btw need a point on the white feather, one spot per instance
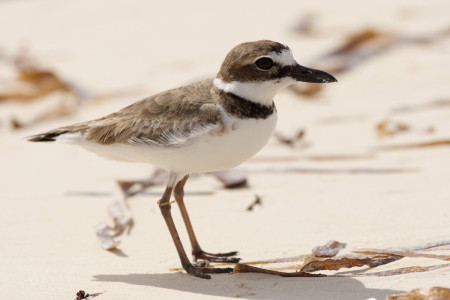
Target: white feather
(284, 58)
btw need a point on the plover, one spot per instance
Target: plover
(211, 125)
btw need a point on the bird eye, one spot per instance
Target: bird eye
(264, 63)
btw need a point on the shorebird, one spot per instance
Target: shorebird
(211, 125)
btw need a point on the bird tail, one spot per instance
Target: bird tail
(49, 136)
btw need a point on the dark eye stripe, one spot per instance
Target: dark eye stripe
(264, 63)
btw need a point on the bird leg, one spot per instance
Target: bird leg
(197, 251)
(164, 205)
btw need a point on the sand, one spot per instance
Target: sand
(52, 196)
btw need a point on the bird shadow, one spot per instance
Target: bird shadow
(260, 286)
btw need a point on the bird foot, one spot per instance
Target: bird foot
(202, 272)
(216, 257)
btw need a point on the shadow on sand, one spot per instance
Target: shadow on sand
(259, 286)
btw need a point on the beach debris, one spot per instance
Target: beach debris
(388, 128)
(257, 201)
(360, 47)
(338, 157)
(119, 211)
(334, 264)
(33, 81)
(105, 236)
(434, 293)
(290, 141)
(122, 219)
(411, 108)
(83, 295)
(324, 258)
(132, 187)
(231, 179)
(28, 81)
(121, 216)
(403, 271)
(415, 145)
(330, 249)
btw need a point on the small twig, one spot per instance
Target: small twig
(255, 202)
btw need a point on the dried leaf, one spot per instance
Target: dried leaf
(434, 293)
(330, 249)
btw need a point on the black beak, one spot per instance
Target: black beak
(301, 73)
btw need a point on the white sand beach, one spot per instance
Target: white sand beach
(340, 182)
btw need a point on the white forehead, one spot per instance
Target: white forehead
(283, 58)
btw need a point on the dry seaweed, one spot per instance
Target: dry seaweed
(334, 264)
(333, 157)
(39, 82)
(402, 253)
(360, 47)
(405, 270)
(323, 258)
(435, 143)
(434, 293)
(408, 108)
(330, 249)
(34, 82)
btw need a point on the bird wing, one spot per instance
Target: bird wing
(171, 118)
